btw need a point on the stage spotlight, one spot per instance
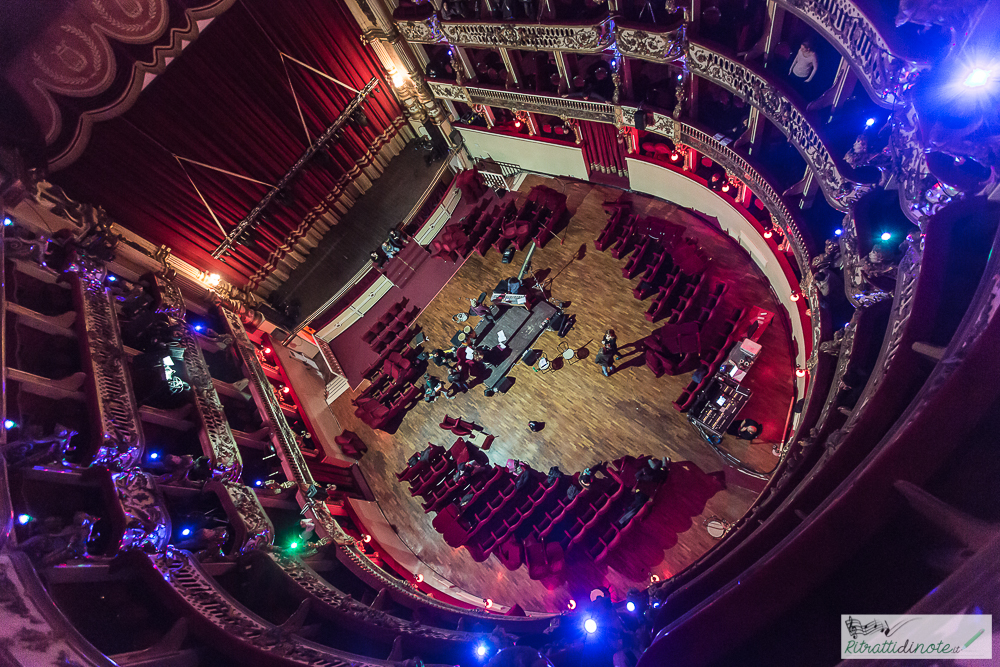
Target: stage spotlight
(186, 532)
(590, 625)
(23, 519)
(869, 122)
(154, 455)
(9, 424)
(885, 236)
(259, 482)
(199, 327)
(481, 650)
(977, 78)
(630, 605)
(838, 232)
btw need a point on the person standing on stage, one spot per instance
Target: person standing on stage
(611, 341)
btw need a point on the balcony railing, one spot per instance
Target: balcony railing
(858, 40)
(591, 37)
(647, 42)
(773, 101)
(508, 99)
(421, 31)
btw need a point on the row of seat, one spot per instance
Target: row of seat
(712, 358)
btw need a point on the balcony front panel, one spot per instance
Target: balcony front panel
(589, 37)
(421, 31)
(773, 101)
(857, 38)
(646, 42)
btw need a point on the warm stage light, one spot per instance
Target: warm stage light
(977, 78)
(398, 79)
(213, 279)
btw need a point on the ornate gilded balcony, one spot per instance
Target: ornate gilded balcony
(772, 98)
(510, 99)
(588, 37)
(648, 42)
(422, 31)
(858, 39)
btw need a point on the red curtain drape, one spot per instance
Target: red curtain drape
(226, 102)
(601, 148)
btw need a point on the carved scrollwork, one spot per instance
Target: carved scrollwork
(758, 91)
(425, 31)
(882, 73)
(920, 193)
(665, 46)
(121, 433)
(575, 38)
(199, 591)
(448, 91)
(259, 530)
(147, 520)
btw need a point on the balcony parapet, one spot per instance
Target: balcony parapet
(421, 31)
(510, 99)
(282, 435)
(857, 38)
(649, 42)
(774, 100)
(583, 37)
(921, 195)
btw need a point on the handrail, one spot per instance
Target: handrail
(583, 37)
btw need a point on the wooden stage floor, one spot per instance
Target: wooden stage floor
(589, 418)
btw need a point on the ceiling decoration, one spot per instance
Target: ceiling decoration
(89, 63)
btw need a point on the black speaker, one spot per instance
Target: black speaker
(640, 120)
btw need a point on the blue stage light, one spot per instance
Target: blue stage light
(869, 122)
(154, 455)
(7, 222)
(23, 518)
(590, 625)
(112, 278)
(838, 232)
(886, 236)
(481, 650)
(185, 532)
(630, 605)
(199, 327)
(9, 424)
(977, 78)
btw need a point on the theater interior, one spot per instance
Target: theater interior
(396, 333)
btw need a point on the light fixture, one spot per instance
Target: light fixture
(267, 350)
(112, 278)
(630, 605)
(185, 532)
(590, 625)
(481, 650)
(7, 222)
(977, 78)
(285, 389)
(794, 296)
(655, 578)
(420, 578)
(800, 372)
(517, 123)
(9, 424)
(23, 519)
(489, 603)
(725, 187)
(869, 122)
(293, 545)
(838, 232)
(768, 234)
(259, 482)
(199, 327)
(398, 79)
(211, 279)
(367, 538)
(154, 455)
(674, 157)
(885, 236)
(571, 604)
(680, 77)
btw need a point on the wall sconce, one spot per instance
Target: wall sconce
(399, 79)
(794, 296)
(800, 372)
(210, 279)
(489, 603)
(654, 578)
(571, 604)
(420, 578)
(768, 234)
(367, 539)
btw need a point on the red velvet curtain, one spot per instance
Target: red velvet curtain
(601, 148)
(226, 102)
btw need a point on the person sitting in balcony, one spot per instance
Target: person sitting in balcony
(804, 67)
(599, 86)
